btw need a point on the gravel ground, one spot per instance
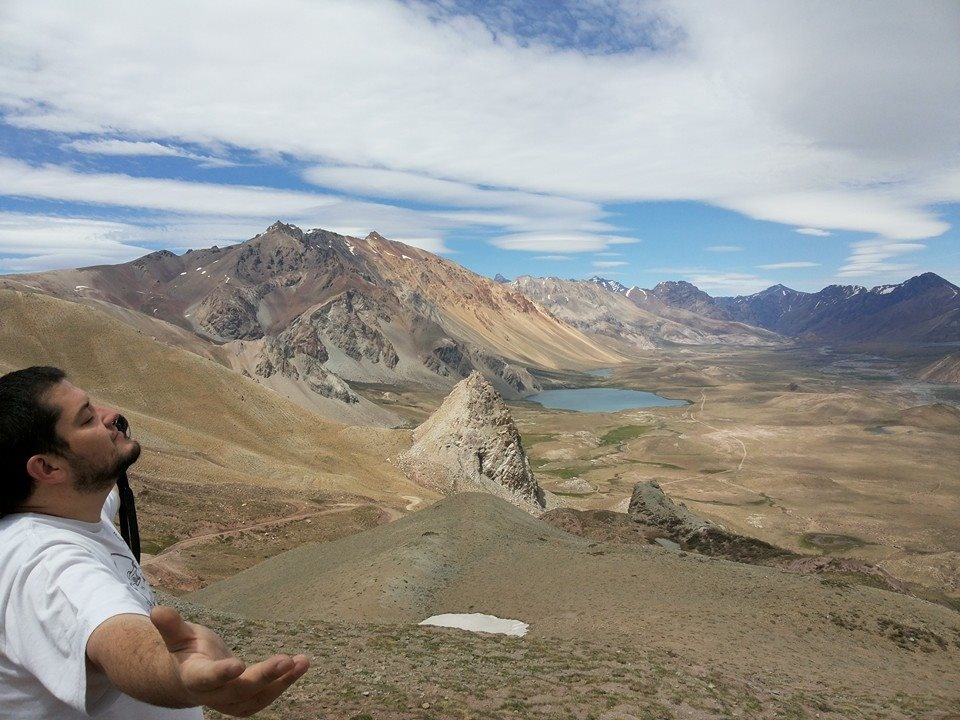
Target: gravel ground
(408, 672)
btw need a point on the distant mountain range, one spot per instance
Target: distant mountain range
(925, 308)
(631, 318)
(309, 313)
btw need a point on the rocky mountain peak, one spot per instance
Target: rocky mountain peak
(500, 279)
(285, 228)
(926, 281)
(669, 285)
(609, 285)
(679, 291)
(778, 289)
(471, 444)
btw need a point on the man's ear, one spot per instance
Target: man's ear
(47, 469)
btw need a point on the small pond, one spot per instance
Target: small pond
(601, 399)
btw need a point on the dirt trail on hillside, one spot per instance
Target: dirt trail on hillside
(170, 568)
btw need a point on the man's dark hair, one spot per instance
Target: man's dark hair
(27, 428)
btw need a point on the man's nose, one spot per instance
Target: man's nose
(107, 415)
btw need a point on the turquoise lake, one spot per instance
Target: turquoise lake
(601, 399)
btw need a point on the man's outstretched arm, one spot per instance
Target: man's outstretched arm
(166, 661)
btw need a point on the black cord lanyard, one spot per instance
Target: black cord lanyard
(129, 530)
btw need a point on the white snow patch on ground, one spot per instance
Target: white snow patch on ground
(82, 287)
(406, 257)
(477, 622)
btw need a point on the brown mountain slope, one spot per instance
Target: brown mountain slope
(945, 370)
(198, 421)
(305, 311)
(476, 553)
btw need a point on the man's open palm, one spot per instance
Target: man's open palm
(215, 675)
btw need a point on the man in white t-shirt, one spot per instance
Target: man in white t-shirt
(81, 635)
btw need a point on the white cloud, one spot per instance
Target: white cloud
(816, 232)
(59, 183)
(31, 243)
(728, 283)
(608, 263)
(208, 211)
(789, 112)
(411, 186)
(140, 148)
(724, 248)
(553, 258)
(122, 147)
(789, 265)
(504, 209)
(717, 283)
(877, 211)
(872, 257)
(558, 242)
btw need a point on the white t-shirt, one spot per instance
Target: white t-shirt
(59, 580)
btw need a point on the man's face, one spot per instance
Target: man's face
(98, 453)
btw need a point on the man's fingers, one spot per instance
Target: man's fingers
(174, 631)
(224, 683)
(263, 695)
(201, 675)
(266, 671)
(301, 663)
(200, 670)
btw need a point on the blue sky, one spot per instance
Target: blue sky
(735, 145)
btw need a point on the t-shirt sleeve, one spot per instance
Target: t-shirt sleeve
(58, 601)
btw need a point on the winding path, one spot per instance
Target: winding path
(723, 433)
(167, 568)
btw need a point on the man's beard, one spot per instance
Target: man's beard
(88, 478)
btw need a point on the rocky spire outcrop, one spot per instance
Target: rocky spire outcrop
(471, 444)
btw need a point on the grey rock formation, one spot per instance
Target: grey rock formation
(651, 506)
(281, 356)
(471, 444)
(451, 358)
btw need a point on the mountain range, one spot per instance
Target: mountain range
(925, 308)
(308, 313)
(312, 314)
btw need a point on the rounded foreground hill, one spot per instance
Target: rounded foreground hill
(477, 553)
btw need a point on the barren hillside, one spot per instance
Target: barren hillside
(476, 553)
(197, 420)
